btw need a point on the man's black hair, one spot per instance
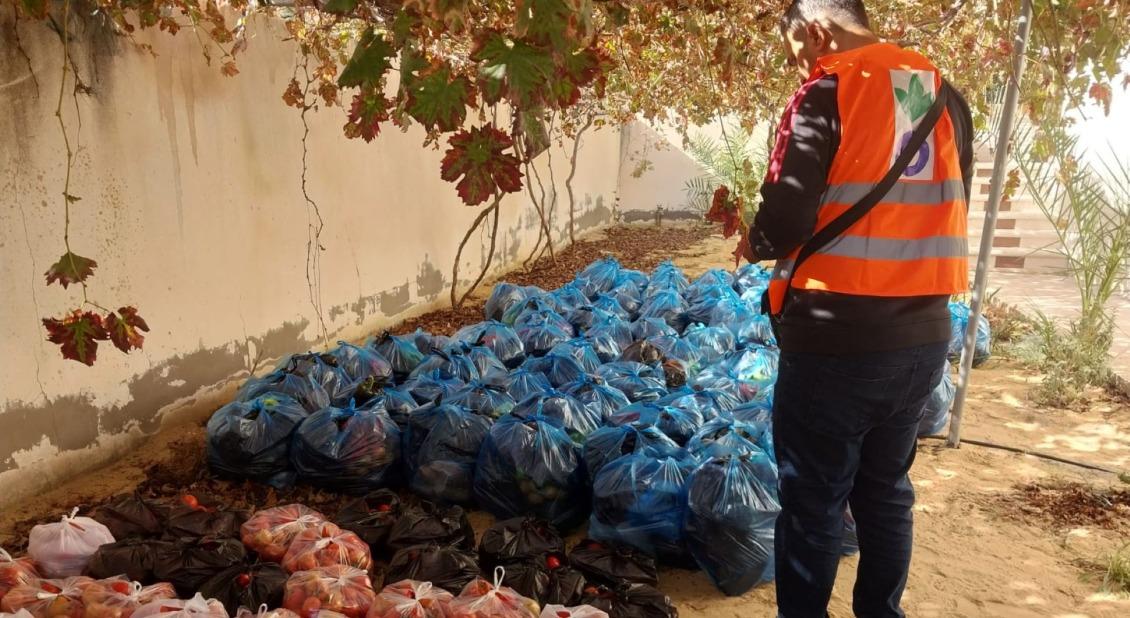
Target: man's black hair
(845, 12)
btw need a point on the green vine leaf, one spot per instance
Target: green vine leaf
(369, 109)
(478, 161)
(547, 22)
(71, 268)
(438, 100)
(124, 329)
(77, 335)
(371, 58)
(577, 70)
(511, 68)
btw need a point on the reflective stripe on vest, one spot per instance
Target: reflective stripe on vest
(913, 242)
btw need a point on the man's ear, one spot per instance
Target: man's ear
(820, 37)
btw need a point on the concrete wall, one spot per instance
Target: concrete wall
(191, 205)
(654, 173)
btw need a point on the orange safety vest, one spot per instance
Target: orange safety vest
(913, 242)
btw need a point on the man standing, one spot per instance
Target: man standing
(862, 319)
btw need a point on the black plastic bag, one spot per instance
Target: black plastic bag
(532, 467)
(188, 564)
(576, 418)
(203, 516)
(443, 466)
(638, 500)
(679, 425)
(612, 565)
(251, 439)
(129, 516)
(609, 443)
(638, 381)
(353, 451)
(523, 384)
(560, 370)
(134, 558)
(630, 601)
(401, 352)
(371, 517)
(516, 539)
(602, 399)
(247, 586)
(546, 578)
(729, 522)
(442, 565)
(497, 337)
(431, 523)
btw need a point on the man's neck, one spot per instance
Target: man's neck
(847, 40)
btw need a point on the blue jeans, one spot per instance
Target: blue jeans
(844, 429)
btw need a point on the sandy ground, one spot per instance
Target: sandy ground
(975, 554)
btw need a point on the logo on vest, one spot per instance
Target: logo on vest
(914, 94)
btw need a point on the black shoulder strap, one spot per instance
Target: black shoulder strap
(841, 224)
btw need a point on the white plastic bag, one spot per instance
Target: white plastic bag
(23, 613)
(196, 607)
(580, 611)
(62, 549)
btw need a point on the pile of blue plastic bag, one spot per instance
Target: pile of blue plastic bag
(636, 402)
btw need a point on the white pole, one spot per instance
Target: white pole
(1008, 112)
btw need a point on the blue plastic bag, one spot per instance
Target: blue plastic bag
(443, 446)
(610, 338)
(600, 276)
(496, 337)
(679, 349)
(638, 381)
(567, 298)
(532, 467)
(667, 276)
(610, 442)
(701, 301)
(754, 412)
(755, 364)
(251, 439)
(959, 322)
(536, 306)
(396, 402)
(937, 414)
(752, 277)
(420, 424)
(719, 377)
(629, 297)
(489, 368)
(638, 500)
(729, 523)
(577, 419)
(349, 450)
(710, 403)
(323, 369)
(584, 317)
(305, 389)
(646, 328)
(541, 330)
(449, 365)
(714, 276)
(679, 425)
(502, 297)
(725, 436)
(757, 331)
(669, 306)
(601, 398)
(429, 386)
(486, 399)
(713, 342)
(611, 305)
(580, 349)
(361, 363)
(522, 384)
(635, 278)
(427, 342)
(558, 368)
(401, 353)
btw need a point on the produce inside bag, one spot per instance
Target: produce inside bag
(251, 439)
(481, 599)
(580, 611)
(121, 598)
(337, 588)
(62, 549)
(324, 545)
(15, 572)
(547, 578)
(49, 598)
(351, 450)
(202, 516)
(411, 599)
(270, 532)
(196, 607)
(263, 612)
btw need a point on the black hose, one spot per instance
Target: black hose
(1013, 449)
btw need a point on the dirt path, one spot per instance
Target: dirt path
(979, 550)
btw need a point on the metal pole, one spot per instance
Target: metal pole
(1012, 93)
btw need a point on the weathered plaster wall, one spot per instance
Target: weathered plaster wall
(191, 205)
(654, 173)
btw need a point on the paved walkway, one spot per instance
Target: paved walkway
(1058, 297)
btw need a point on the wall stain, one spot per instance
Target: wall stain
(632, 216)
(430, 282)
(167, 107)
(388, 303)
(74, 422)
(599, 214)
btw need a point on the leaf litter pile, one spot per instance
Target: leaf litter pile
(182, 469)
(1070, 505)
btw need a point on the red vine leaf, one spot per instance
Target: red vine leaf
(477, 157)
(726, 211)
(369, 109)
(577, 70)
(77, 335)
(122, 328)
(452, 13)
(229, 69)
(1101, 93)
(511, 68)
(743, 248)
(71, 268)
(723, 57)
(437, 100)
(371, 58)
(293, 96)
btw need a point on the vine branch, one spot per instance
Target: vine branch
(313, 230)
(589, 119)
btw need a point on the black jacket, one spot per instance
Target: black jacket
(821, 322)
